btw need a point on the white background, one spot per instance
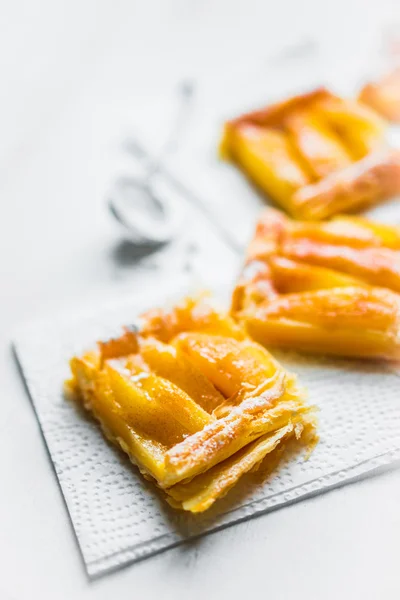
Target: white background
(60, 62)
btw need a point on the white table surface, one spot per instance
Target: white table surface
(60, 62)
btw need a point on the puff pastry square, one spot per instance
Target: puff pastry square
(315, 155)
(192, 400)
(330, 287)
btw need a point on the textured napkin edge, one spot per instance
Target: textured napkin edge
(182, 284)
(370, 467)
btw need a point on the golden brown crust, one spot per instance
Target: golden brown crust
(191, 314)
(198, 494)
(384, 95)
(358, 186)
(270, 231)
(274, 114)
(127, 343)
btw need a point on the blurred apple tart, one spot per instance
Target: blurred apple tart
(383, 95)
(315, 155)
(329, 287)
(192, 400)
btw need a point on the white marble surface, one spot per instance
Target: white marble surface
(61, 64)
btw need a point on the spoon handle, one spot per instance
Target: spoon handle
(185, 95)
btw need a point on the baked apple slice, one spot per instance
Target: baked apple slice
(269, 159)
(319, 146)
(352, 321)
(361, 128)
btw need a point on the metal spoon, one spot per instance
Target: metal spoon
(149, 219)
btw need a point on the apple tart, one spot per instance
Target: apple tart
(315, 155)
(329, 287)
(192, 400)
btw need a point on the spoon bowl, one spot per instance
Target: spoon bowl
(148, 219)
